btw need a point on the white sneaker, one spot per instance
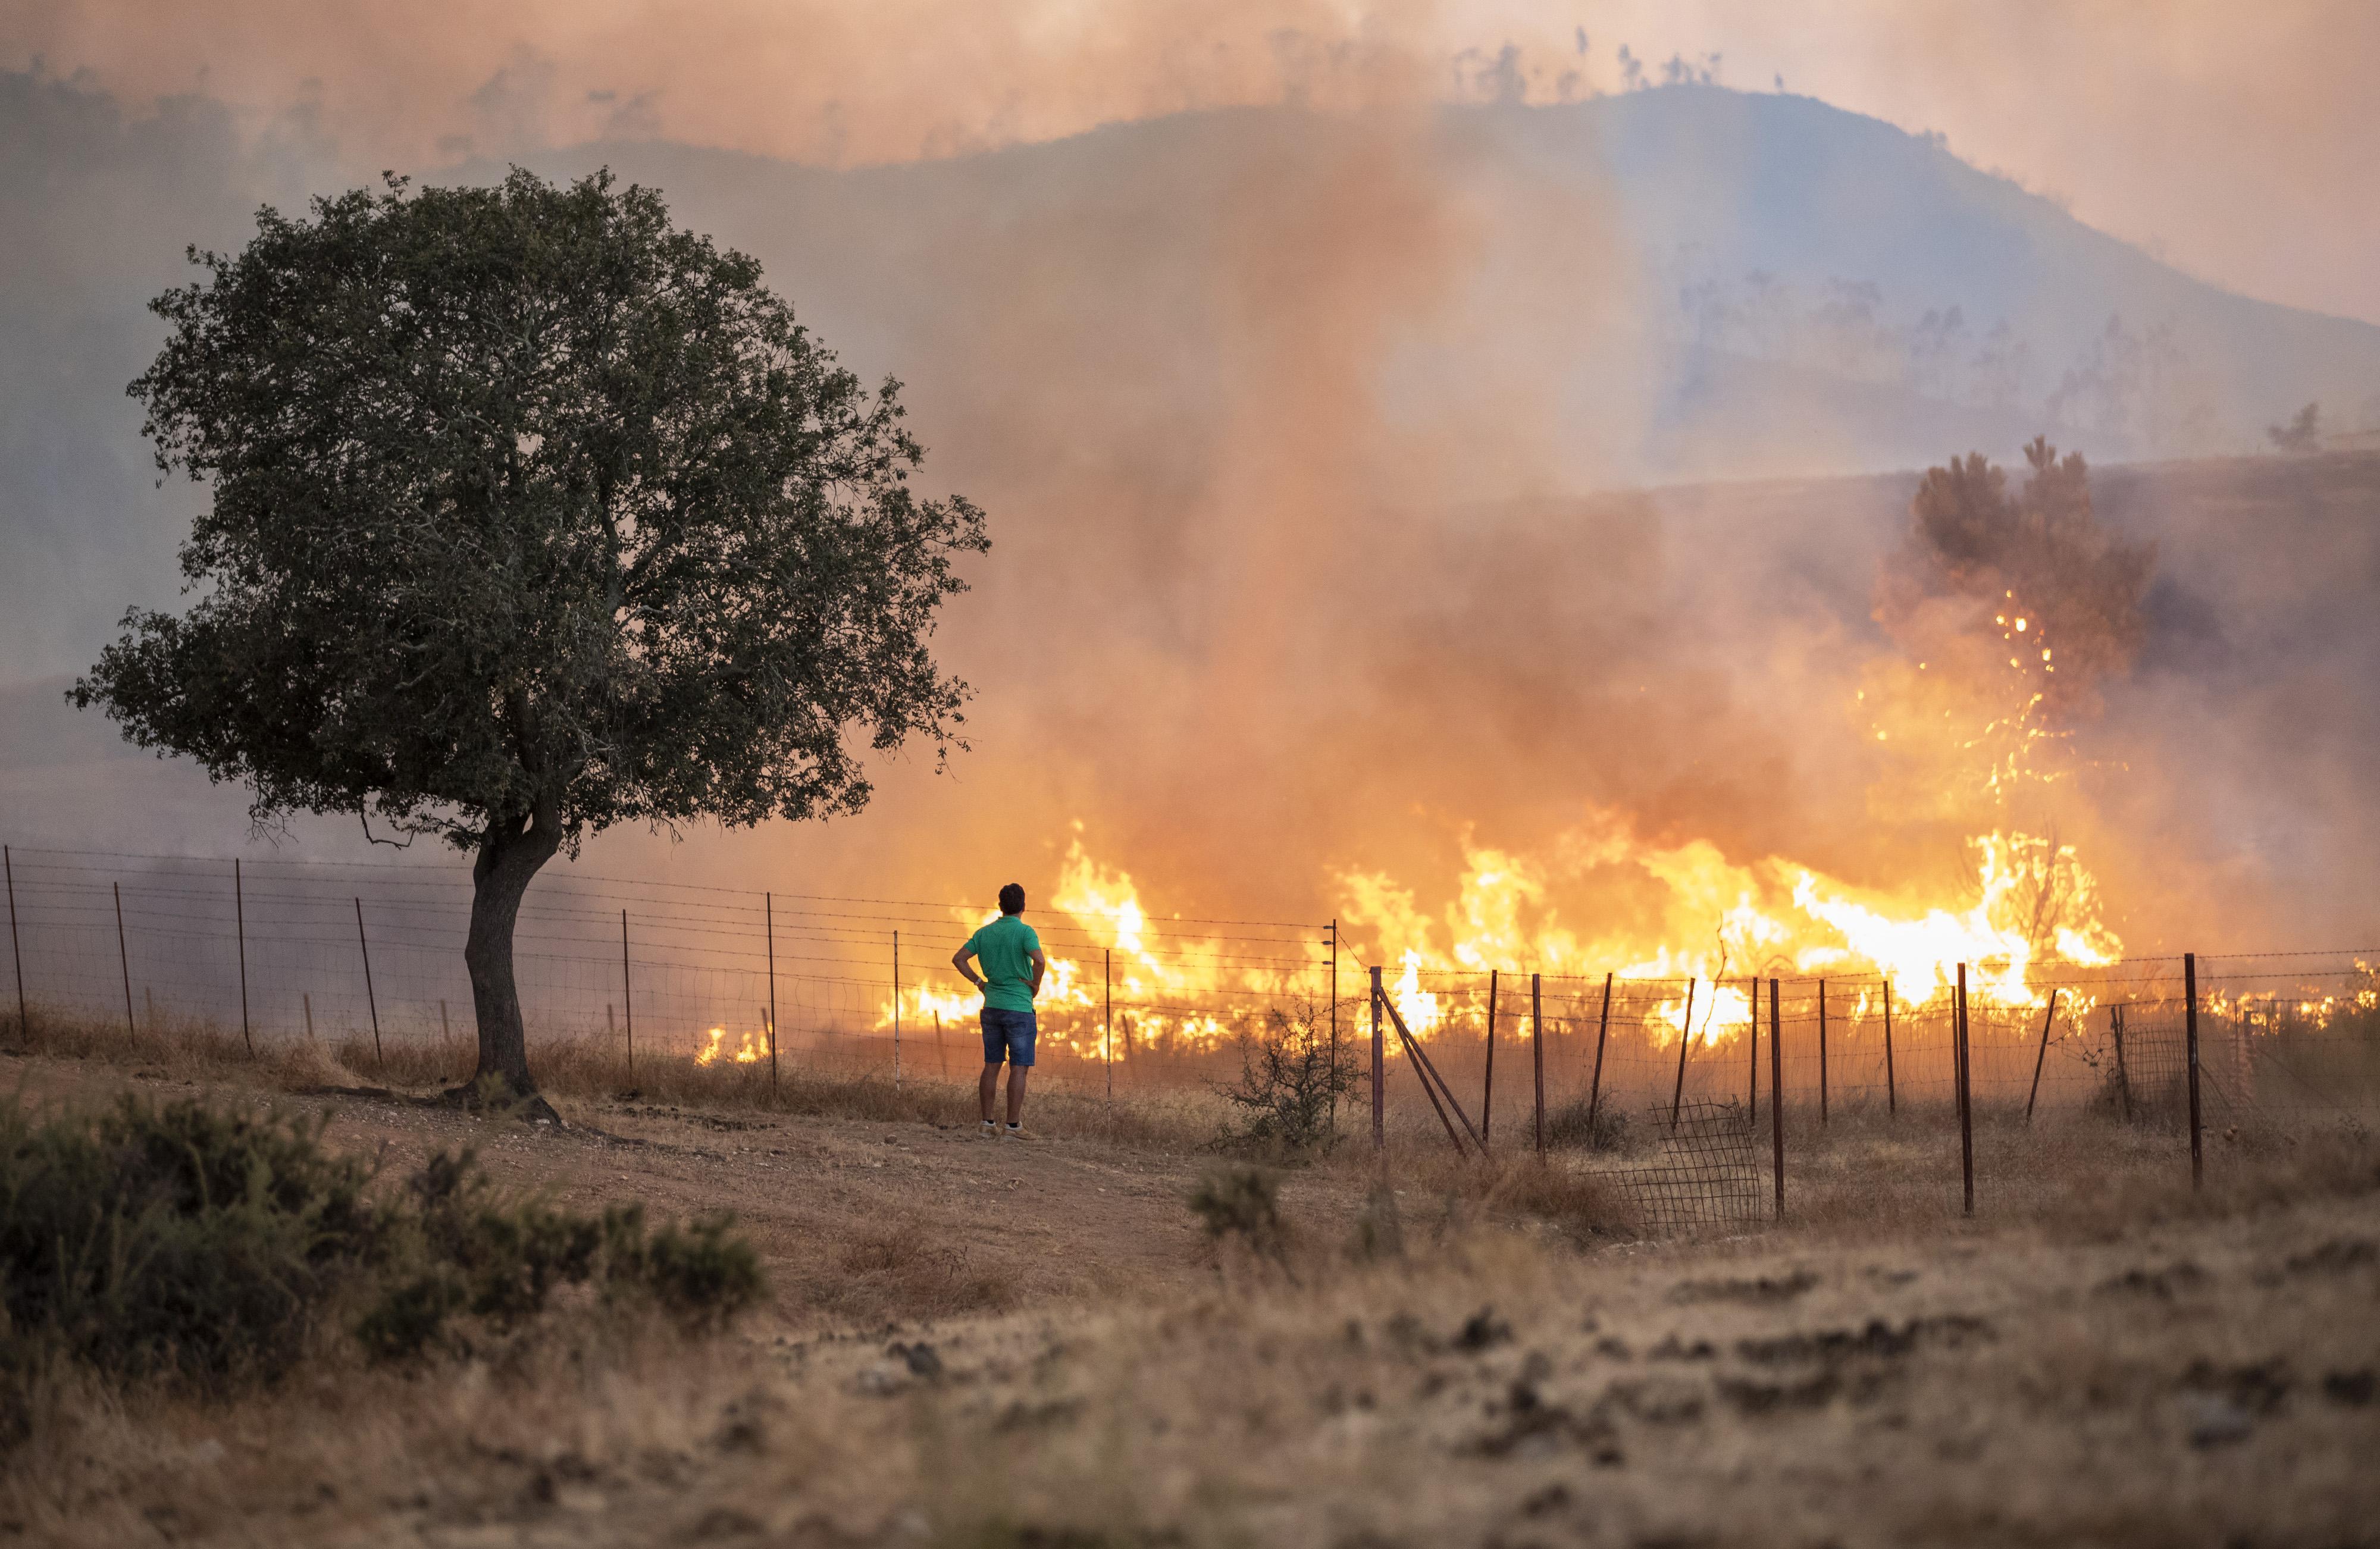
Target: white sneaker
(1015, 1132)
(989, 1130)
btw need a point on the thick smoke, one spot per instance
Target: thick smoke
(1281, 414)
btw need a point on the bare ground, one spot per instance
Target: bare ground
(975, 1342)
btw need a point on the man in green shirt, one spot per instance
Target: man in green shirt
(1013, 966)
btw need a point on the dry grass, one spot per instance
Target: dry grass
(2200, 1381)
(2101, 1355)
(594, 1072)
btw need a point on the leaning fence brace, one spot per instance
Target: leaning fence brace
(379, 1056)
(17, 950)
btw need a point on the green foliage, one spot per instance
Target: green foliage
(175, 1239)
(526, 503)
(178, 1241)
(1284, 1105)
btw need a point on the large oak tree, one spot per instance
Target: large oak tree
(530, 513)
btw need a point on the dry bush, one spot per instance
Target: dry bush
(207, 1250)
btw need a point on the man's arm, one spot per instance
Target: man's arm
(959, 961)
(1040, 966)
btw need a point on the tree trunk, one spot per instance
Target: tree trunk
(509, 858)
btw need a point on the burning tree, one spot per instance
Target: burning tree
(530, 515)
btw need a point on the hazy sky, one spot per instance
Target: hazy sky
(2235, 140)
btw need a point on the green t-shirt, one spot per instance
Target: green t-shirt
(1003, 951)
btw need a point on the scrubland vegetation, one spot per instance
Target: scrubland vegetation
(1147, 1326)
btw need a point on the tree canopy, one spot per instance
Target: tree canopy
(530, 515)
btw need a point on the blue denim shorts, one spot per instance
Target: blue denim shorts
(1008, 1036)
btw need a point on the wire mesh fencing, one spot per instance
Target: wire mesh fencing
(1706, 1171)
(282, 951)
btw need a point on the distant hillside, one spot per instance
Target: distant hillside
(1816, 290)
(1680, 283)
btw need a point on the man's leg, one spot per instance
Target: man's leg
(1016, 1074)
(995, 1053)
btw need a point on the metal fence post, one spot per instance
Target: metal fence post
(1335, 1027)
(1752, 1047)
(2042, 1054)
(1685, 1041)
(1107, 1015)
(24, 1023)
(896, 1017)
(627, 998)
(239, 927)
(2190, 1025)
(1776, 1090)
(1966, 1097)
(1538, 1053)
(768, 918)
(1822, 1054)
(2123, 1079)
(1595, 1087)
(1379, 1069)
(1487, 1091)
(1891, 1091)
(124, 956)
(370, 999)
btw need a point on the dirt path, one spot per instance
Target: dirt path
(861, 1224)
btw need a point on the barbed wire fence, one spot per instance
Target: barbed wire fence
(1604, 1067)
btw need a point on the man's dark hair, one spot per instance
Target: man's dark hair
(1011, 899)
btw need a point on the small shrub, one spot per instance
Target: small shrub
(211, 1247)
(174, 1239)
(1580, 1126)
(1291, 1081)
(1240, 1204)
